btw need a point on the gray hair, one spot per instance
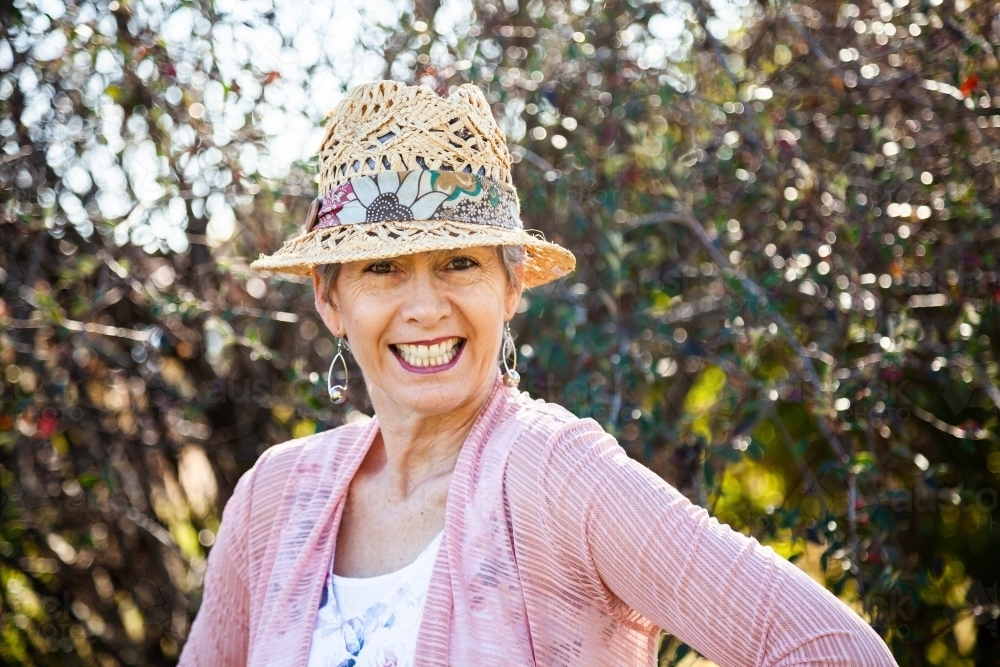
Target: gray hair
(510, 256)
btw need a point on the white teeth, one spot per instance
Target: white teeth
(429, 355)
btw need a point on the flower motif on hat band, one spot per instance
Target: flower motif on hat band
(422, 194)
(381, 197)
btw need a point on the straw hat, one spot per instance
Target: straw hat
(402, 171)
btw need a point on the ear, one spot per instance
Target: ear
(513, 297)
(328, 312)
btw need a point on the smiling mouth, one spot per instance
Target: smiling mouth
(429, 356)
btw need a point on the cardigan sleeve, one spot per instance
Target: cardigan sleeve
(644, 544)
(219, 635)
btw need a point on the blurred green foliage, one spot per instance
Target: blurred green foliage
(786, 300)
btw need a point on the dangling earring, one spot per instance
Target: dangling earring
(511, 377)
(338, 393)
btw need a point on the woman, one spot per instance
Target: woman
(468, 524)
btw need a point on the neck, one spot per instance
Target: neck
(412, 448)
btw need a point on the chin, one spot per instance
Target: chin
(434, 398)
(437, 393)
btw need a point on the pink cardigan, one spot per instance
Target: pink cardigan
(558, 550)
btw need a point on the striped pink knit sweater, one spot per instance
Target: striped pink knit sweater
(558, 550)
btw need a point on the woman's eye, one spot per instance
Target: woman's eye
(379, 267)
(463, 263)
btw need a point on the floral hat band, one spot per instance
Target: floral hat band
(422, 194)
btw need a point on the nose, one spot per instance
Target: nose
(427, 302)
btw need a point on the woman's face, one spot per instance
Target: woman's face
(424, 328)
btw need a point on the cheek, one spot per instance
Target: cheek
(367, 324)
(365, 320)
(485, 314)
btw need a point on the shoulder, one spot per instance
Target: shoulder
(550, 429)
(539, 413)
(335, 442)
(283, 472)
(278, 463)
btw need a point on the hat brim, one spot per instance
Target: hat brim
(544, 263)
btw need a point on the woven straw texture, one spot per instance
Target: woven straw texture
(558, 551)
(388, 126)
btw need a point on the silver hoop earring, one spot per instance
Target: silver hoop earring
(511, 376)
(338, 392)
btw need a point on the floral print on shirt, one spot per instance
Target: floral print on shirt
(384, 635)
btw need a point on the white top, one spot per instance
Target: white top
(372, 621)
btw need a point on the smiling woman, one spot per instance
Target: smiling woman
(467, 523)
(424, 328)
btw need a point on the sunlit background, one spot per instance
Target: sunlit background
(785, 219)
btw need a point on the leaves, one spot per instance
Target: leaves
(785, 299)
